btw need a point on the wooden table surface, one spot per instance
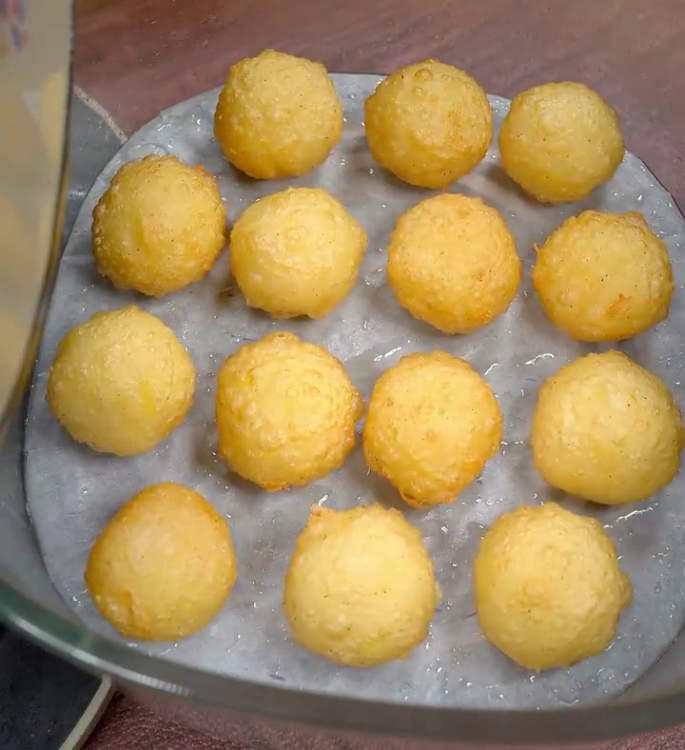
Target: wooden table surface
(135, 57)
(138, 56)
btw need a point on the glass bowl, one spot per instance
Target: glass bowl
(132, 60)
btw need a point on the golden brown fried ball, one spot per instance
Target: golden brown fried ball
(296, 252)
(159, 226)
(606, 430)
(452, 263)
(548, 587)
(560, 141)
(432, 424)
(163, 567)
(277, 116)
(285, 412)
(604, 277)
(121, 382)
(360, 589)
(429, 124)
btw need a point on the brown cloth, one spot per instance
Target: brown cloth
(128, 726)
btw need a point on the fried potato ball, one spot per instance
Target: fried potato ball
(606, 430)
(164, 565)
(285, 412)
(159, 226)
(452, 263)
(429, 124)
(121, 382)
(296, 252)
(549, 590)
(277, 116)
(604, 277)
(560, 141)
(360, 589)
(432, 424)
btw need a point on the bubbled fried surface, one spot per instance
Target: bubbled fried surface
(549, 590)
(360, 588)
(606, 430)
(429, 124)
(163, 566)
(277, 116)
(432, 424)
(560, 141)
(604, 277)
(121, 382)
(452, 262)
(159, 227)
(286, 412)
(296, 252)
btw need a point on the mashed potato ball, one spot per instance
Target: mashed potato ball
(121, 382)
(604, 277)
(163, 566)
(360, 589)
(559, 141)
(432, 424)
(452, 263)
(429, 124)
(606, 430)
(277, 116)
(296, 253)
(159, 226)
(548, 587)
(285, 412)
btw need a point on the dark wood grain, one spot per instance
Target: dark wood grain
(138, 56)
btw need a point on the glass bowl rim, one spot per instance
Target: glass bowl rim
(98, 654)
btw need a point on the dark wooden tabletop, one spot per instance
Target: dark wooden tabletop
(135, 57)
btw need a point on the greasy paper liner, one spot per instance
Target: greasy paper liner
(72, 491)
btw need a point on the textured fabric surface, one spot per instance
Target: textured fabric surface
(127, 726)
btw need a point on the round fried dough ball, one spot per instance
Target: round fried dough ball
(604, 277)
(163, 567)
(121, 382)
(360, 589)
(429, 124)
(296, 252)
(159, 226)
(560, 141)
(432, 424)
(452, 263)
(606, 430)
(285, 412)
(549, 591)
(277, 116)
